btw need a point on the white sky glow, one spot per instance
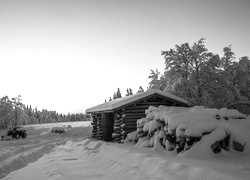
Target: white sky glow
(66, 55)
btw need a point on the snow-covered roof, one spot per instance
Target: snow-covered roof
(120, 102)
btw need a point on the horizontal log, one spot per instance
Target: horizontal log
(130, 122)
(135, 118)
(130, 130)
(117, 121)
(117, 124)
(117, 127)
(156, 103)
(130, 127)
(96, 117)
(138, 106)
(134, 110)
(135, 114)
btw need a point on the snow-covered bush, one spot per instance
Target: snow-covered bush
(132, 137)
(196, 129)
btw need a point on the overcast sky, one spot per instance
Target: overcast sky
(66, 55)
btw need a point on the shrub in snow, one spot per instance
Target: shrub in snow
(196, 130)
(159, 142)
(143, 142)
(132, 137)
(140, 124)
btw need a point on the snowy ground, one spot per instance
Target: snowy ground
(72, 156)
(15, 154)
(98, 160)
(61, 124)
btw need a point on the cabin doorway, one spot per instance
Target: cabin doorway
(108, 124)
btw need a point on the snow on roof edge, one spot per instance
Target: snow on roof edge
(114, 104)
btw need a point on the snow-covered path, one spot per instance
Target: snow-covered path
(99, 160)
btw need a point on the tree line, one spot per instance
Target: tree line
(202, 77)
(14, 113)
(129, 92)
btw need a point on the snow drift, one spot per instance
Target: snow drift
(88, 159)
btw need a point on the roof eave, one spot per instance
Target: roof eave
(113, 107)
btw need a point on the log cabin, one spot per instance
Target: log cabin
(111, 121)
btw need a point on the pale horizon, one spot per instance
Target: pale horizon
(66, 55)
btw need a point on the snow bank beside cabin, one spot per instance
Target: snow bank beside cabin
(195, 131)
(98, 160)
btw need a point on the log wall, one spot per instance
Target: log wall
(119, 133)
(137, 111)
(97, 131)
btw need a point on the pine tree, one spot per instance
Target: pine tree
(18, 113)
(130, 91)
(127, 92)
(5, 112)
(118, 94)
(114, 96)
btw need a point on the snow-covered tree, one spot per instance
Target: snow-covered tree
(129, 92)
(202, 77)
(154, 83)
(140, 90)
(118, 93)
(5, 112)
